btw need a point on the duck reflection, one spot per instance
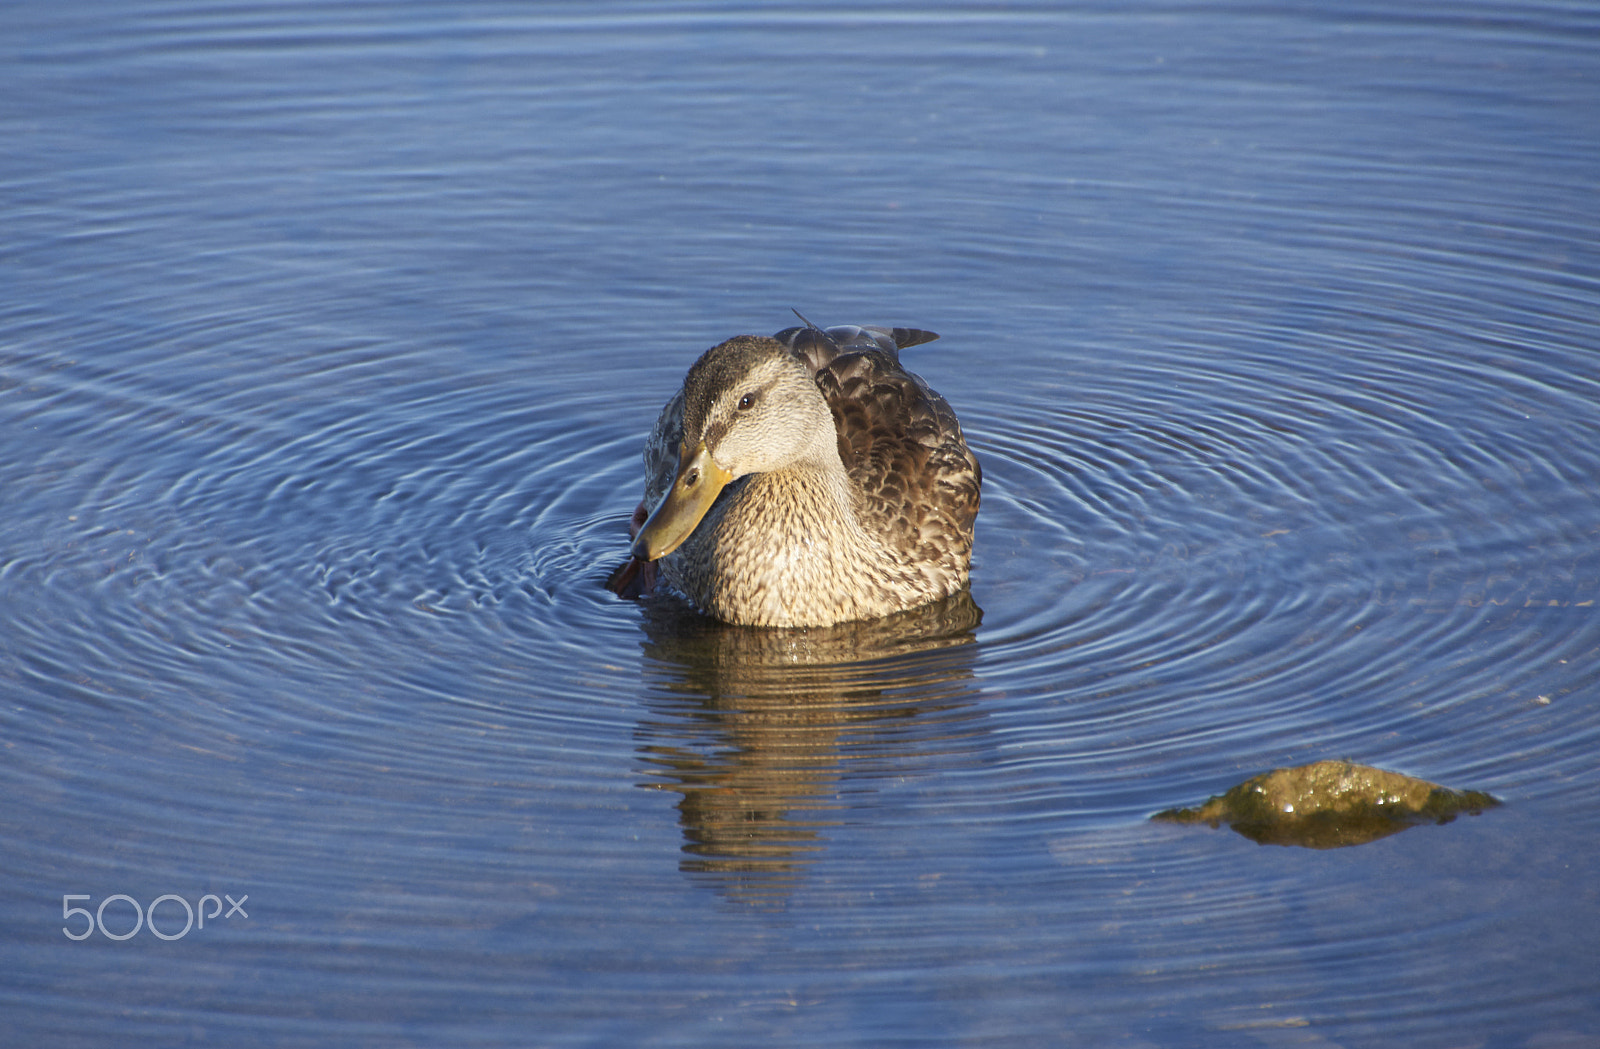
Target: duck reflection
(757, 728)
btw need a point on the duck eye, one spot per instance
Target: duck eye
(747, 402)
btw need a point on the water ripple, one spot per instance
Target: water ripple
(328, 338)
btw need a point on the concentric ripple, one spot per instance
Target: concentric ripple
(1327, 542)
(329, 335)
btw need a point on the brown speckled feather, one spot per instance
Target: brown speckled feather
(900, 441)
(902, 446)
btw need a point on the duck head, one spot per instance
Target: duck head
(750, 405)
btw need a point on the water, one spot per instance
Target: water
(328, 340)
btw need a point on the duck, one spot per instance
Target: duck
(805, 479)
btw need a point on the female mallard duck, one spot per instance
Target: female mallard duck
(804, 480)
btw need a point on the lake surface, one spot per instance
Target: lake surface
(329, 338)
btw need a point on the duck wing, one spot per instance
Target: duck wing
(916, 481)
(818, 346)
(635, 578)
(661, 451)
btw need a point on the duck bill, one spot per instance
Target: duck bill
(693, 491)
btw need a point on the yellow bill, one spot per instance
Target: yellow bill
(691, 495)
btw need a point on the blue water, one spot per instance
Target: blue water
(329, 338)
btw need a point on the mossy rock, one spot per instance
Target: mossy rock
(1330, 804)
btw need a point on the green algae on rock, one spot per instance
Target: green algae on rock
(1330, 804)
